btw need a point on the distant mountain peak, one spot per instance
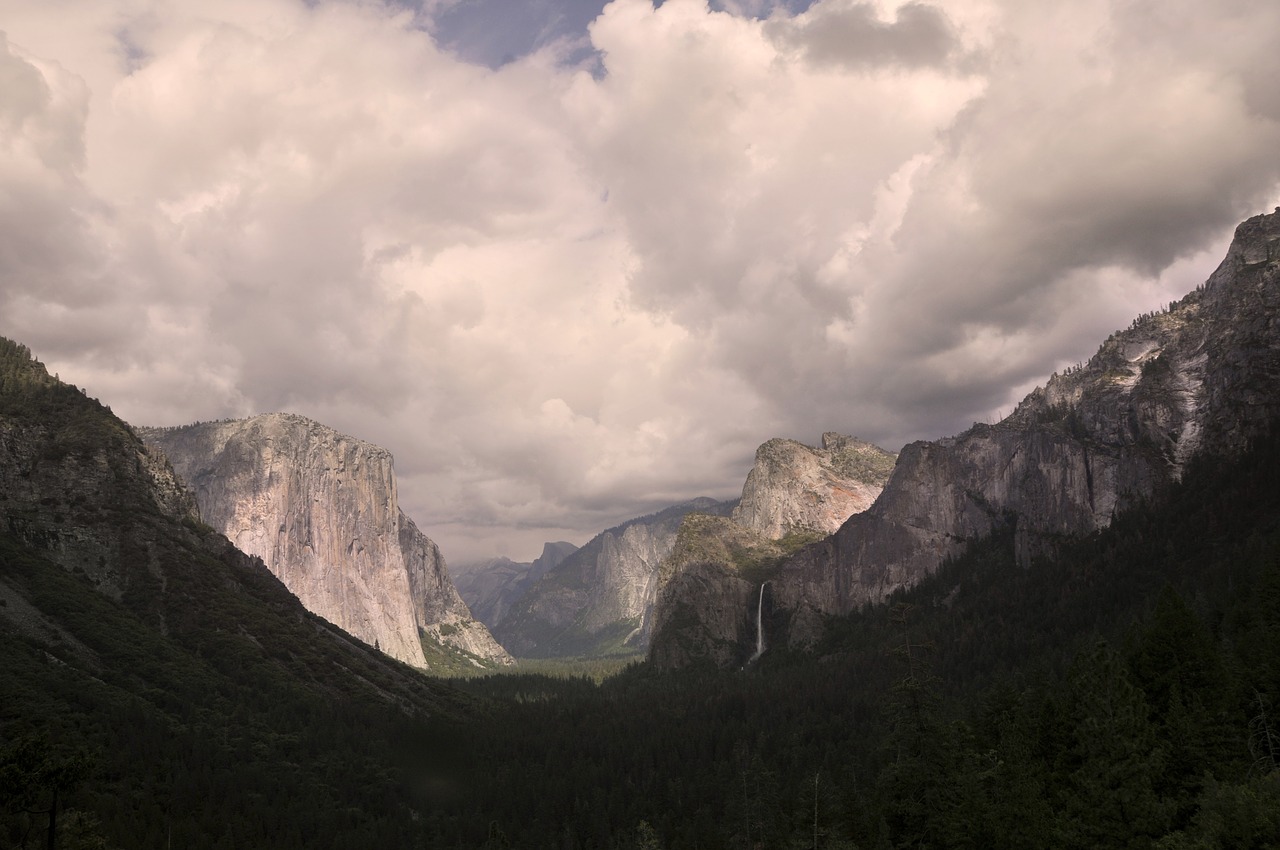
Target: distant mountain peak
(796, 487)
(599, 599)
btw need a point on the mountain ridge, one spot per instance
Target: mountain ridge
(1093, 441)
(321, 509)
(1073, 453)
(172, 690)
(599, 599)
(491, 587)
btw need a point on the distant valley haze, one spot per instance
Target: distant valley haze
(572, 262)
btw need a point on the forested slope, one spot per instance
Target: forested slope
(1123, 694)
(172, 692)
(166, 687)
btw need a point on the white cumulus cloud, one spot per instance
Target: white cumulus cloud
(575, 289)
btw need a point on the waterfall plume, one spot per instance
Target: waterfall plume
(760, 624)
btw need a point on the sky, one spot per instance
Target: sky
(573, 262)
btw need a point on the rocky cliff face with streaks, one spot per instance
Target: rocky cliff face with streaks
(321, 510)
(793, 495)
(1200, 376)
(794, 487)
(709, 590)
(599, 600)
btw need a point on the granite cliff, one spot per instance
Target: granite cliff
(321, 510)
(794, 494)
(491, 587)
(1202, 376)
(599, 600)
(141, 650)
(709, 590)
(794, 487)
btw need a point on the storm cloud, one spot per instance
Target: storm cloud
(575, 285)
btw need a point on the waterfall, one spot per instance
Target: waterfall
(760, 624)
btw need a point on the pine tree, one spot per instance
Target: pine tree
(1109, 797)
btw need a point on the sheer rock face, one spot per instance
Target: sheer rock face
(1202, 376)
(491, 587)
(627, 574)
(719, 562)
(600, 598)
(797, 487)
(707, 606)
(321, 510)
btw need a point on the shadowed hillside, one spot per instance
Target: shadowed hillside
(166, 686)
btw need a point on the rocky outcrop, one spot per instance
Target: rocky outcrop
(60, 451)
(794, 487)
(709, 590)
(321, 510)
(1201, 376)
(599, 600)
(794, 494)
(491, 587)
(113, 594)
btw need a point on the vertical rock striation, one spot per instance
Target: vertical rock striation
(708, 588)
(1201, 376)
(321, 510)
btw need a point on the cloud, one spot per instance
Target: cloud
(853, 35)
(497, 32)
(1085, 153)
(568, 293)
